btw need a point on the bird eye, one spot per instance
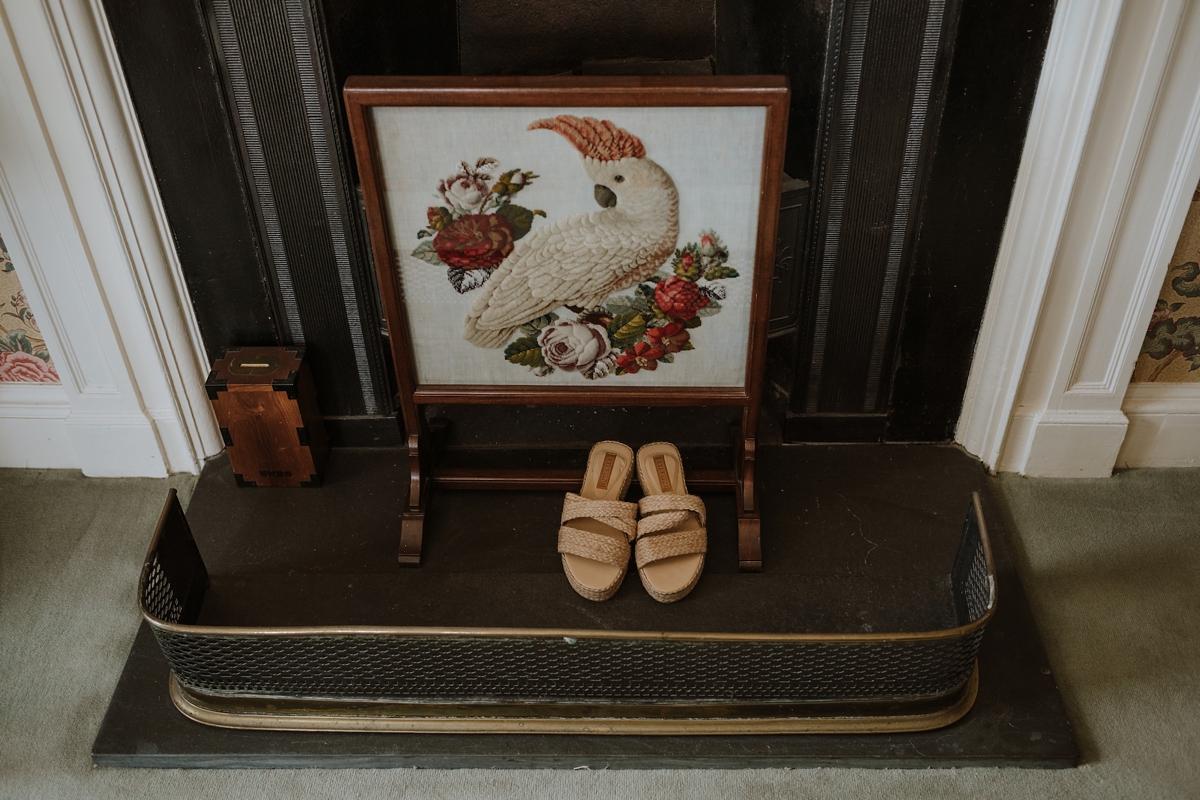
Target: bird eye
(619, 178)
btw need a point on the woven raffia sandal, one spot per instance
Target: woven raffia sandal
(597, 526)
(671, 537)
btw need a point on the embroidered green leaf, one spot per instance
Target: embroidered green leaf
(713, 308)
(627, 305)
(534, 326)
(520, 217)
(667, 358)
(426, 253)
(526, 352)
(687, 346)
(626, 329)
(694, 322)
(719, 272)
(687, 262)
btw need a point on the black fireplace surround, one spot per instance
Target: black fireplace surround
(907, 123)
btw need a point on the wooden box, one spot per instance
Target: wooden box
(267, 409)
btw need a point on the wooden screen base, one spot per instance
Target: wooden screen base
(425, 477)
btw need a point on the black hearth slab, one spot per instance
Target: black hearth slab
(874, 513)
(848, 549)
(828, 510)
(719, 604)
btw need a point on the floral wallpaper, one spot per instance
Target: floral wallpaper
(23, 354)
(1171, 349)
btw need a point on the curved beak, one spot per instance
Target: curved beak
(605, 196)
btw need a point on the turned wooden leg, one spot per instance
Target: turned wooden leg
(420, 485)
(412, 519)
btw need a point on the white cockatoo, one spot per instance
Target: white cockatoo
(580, 260)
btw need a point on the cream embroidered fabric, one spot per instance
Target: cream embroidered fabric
(712, 154)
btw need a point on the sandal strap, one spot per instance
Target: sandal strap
(614, 513)
(665, 545)
(595, 546)
(671, 501)
(665, 521)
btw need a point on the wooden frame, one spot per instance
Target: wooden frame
(362, 94)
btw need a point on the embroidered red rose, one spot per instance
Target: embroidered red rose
(679, 299)
(643, 355)
(672, 336)
(475, 241)
(20, 367)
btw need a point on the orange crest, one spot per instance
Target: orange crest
(595, 138)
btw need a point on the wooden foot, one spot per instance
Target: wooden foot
(412, 531)
(412, 527)
(749, 545)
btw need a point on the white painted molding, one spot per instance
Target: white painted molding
(1080, 40)
(1048, 381)
(33, 428)
(1164, 426)
(91, 241)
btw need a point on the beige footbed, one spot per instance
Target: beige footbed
(599, 579)
(671, 578)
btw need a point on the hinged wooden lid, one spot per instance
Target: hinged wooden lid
(277, 367)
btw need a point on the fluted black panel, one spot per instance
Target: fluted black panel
(885, 76)
(892, 268)
(168, 63)
(993, 81)
(286, 111)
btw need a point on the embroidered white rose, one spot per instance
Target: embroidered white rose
(573, 346)
(466, 193)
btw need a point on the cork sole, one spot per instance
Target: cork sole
(607, 477)
(660, 470)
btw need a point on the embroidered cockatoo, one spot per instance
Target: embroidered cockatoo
(580, 260)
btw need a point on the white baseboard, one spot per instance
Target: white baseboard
(38, 430)
(116, 446)
(33, 429)
(1164, 426)
(1063, 444)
